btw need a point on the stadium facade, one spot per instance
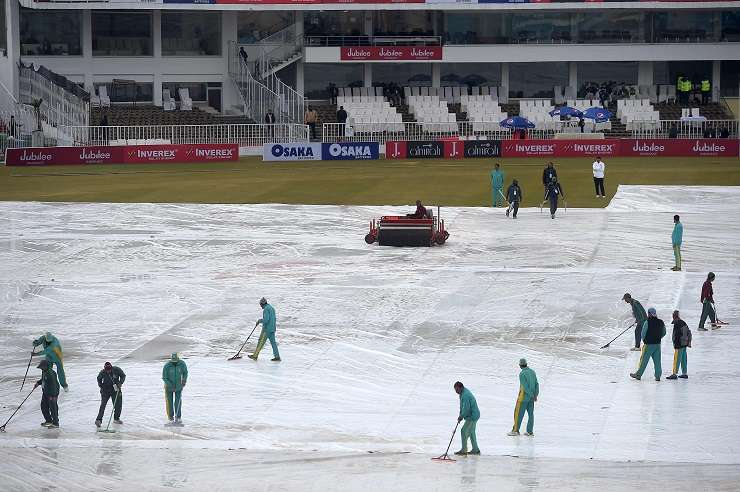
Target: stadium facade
(526, 47)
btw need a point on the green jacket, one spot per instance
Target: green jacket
(52, 349)
(268, 319)
(49, 382)
(468, 406)
(497, 179)
(638, 312)
(528, 382)
(175, 375)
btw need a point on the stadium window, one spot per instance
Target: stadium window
(611, 27)
(196, 90)
(125, 93)
(478, 28)
(684, 27)
(253, 26)
(729, 78)
(731, 25)
(334, 23)
(3, 31)
(121, 33)
(667, 72)
(404, 23)
(613, 74)
(191, 33)
(50, 32)
(470, 74)
(536, 79)
(318, 75)
(549, 27)
(403, 74)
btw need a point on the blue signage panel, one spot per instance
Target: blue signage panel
(350, 151)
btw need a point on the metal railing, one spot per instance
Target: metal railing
(260, 94)
(59, 105)
(316, 41)
(17, 122)
(246, 135)
(414, 131)
(685, 129)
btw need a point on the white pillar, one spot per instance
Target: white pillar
(573, 75)
(157, 54)
(716, 77)
(299, 77)
(367, 74)
(229, 32)
(436, 73)
(9, 63)
(87, 47)
(368, 23)
(645, 72)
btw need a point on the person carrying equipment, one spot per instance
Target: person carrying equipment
(50, 393)
(470, 413)
(514, 196)
(529, 389)
(497, 186)
(681, 340)
(707, 303)
(639, 313)
(52, 350)
(110, 380)
(548, 174)
(268, 329)
(553, 193)
(175, 377)
(653, 330)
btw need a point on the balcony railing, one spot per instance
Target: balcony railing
(316, 41)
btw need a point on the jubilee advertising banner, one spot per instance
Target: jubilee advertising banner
(386, 53)
(670, 147)
(127, 154)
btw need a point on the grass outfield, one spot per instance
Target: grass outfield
(386, 182)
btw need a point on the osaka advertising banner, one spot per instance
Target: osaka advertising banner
(126, 154)
(275, 152)
(350, 151)
(383, 53)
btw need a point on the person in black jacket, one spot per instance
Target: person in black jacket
(270, 122)
(553, 193)
(653, 330)
(50, 392)
(681, 340)
(342, 120)
(513, 196)
(110, 380)
(548, 174)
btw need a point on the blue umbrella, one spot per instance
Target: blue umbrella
(599, 115)
(566, 111)
(516, 122)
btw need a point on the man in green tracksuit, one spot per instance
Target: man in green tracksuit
(470, 413)
(52, 350)
(653, 330)
(268, 331)
(676, 239)
(175, 376)
(497, 186)
(529, 389)
(639, 313)
(50, 393)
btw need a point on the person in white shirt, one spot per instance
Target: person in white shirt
(598, 167)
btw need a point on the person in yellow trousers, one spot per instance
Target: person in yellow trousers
(681, 341)
(268, 331)
(529, 389)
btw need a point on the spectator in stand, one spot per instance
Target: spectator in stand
(342, 120)
(599, 167)
(673, 131)
(706, 91)
(270, 122)
(633, 93)
(310, 119)
(603, 96)
(104, 124)
(522, 134)
(12, 127)
(243, 54)
(581, 124)
(334, 93)
(724, 132)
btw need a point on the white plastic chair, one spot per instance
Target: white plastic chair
(186, 104)
(168, 104)
(104, 99)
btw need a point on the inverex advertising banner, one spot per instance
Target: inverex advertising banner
(350, 151)
(291, 152)
(385, 53)
(127, 154)
(559, 148)
(310, 2)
